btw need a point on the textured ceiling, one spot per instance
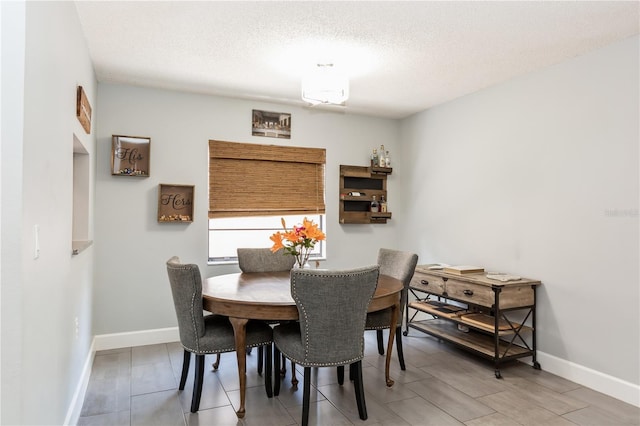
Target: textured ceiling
(401, 57)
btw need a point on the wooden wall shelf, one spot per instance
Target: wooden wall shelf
(368, 182)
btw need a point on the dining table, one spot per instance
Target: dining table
(267, 296)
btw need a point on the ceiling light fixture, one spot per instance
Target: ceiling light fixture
(325, 86)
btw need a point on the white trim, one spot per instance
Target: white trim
(114, 341)
(73, 413)
(136, 338)
(608, 385)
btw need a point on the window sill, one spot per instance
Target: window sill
(79, 246)
(235, 261)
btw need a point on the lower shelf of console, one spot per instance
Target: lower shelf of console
(480, 343)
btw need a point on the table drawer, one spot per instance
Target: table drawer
(470, 293)
(517, 296)
(428, 283)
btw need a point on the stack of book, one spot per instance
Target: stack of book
(463, 269)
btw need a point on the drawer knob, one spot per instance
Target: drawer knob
(468, 292)
(425, 282)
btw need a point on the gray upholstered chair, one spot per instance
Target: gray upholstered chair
(400, 265)
(264, 260)
(333, 308)
(211, 334)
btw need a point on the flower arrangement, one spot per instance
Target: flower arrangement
(299, 241)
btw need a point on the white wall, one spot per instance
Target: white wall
(12, 87)
(47, 293)
(539, 177)
(132, 290)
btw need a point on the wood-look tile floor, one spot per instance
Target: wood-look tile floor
(441, 386)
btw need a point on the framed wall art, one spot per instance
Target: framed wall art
(175, 203)
(271, 124)
(130, 155)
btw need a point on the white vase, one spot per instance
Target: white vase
(303, 266)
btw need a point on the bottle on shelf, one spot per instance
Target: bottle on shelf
(374, 158)
(383, 204)
(381, 160)
(375, 207)
(387, 159)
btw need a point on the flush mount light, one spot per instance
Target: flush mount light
(325, 85)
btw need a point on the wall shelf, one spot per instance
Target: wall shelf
(368, 182)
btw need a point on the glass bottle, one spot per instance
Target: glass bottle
(374, 158)
(375, 207)
(387, 159)
(383, 204)
(381, 159)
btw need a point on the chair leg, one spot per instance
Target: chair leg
(216, 364)
(380, 342)
(306, 394)
(294, 379)
(268, 370)
(260, 358)
(340, 374)
(197, 384)
(399, 346)
(276, 368)
(186, 359)
(359, 388)
(352, 372)
(283, 371)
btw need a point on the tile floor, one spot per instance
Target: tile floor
(441, 386)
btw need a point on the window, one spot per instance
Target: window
(252, 186)
(227, 234)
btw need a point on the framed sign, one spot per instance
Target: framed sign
(175, 203)
(83, 110)
(130, 155)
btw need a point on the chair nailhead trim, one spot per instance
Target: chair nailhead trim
(306, 337)
(221, 351)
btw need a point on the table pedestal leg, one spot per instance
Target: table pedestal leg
(395, 309)
(240, 334)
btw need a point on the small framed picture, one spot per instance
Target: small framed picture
(271, 124)
(130, 156)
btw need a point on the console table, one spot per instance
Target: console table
(476, 313)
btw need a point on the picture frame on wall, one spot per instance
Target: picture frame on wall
(130, 155)
(175, 203)
(271, 124)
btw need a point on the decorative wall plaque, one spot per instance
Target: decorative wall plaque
(83, 110)
(175, 203)
(130, 156)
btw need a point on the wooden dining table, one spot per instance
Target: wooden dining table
(267, 296)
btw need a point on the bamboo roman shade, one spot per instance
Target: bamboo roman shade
(260, 180)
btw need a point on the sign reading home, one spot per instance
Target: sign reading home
(83, 110)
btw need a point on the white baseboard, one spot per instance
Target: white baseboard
(136, 338)
(73, 413)
(608, 385)
(114, 341)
